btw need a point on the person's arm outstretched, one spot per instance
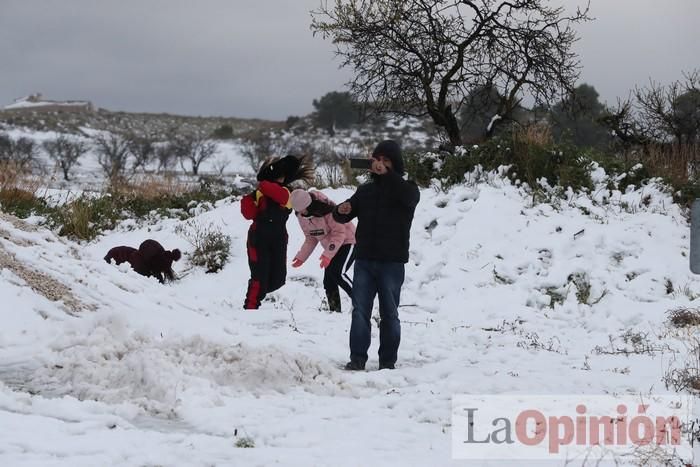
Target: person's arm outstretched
(346, 211)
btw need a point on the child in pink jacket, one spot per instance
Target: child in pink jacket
(314, 212)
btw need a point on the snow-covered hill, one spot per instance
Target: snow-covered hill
(501, 296)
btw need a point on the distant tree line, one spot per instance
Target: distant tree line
(651, 114)
(119, 155)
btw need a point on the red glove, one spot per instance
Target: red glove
(296, 262)
(325, 261)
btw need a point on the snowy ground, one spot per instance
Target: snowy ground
(137, 373)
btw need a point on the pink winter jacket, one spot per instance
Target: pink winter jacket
(330, 233)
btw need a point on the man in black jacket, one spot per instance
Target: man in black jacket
(384, 209)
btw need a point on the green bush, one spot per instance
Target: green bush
(421, 167)
(493, 153)
(687, 193)
(530, 161)
(85, 217)
(559, 164)
(576, 173)
(637, 176)
(455, 166)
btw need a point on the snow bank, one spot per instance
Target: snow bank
(501, 296)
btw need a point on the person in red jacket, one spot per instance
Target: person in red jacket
(314, 212)
(269, 208)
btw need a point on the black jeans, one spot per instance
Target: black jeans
(373, 278)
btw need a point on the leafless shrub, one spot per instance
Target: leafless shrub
(631, 343)
(683, 379)
(220, 165)
(259, 145)
(531, 341)
(684, 317)
(20, 152)
(65, 152)
(507, 326)
(113, 154)
(528, 340)
(194, 148)
(671, 111)
(166, 156)
(143, 149)
(332, 167)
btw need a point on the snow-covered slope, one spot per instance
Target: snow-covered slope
(125, 371)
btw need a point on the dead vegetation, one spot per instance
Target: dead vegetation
(684, 317)
(632, 343)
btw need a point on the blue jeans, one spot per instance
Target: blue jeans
(372, 278)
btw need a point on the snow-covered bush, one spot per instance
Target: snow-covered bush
(212, 247)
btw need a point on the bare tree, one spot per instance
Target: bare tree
(220, 165)
(421, 57)
(622, 121)
(194, 148)
(671, 111)
(21, 151)
(65, 152)
(260, 145)
(166, 155)
(112, 154)
(142, 147)
(657, 114)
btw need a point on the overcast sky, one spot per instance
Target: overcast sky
(258, 58)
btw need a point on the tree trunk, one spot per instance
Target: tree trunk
(446, 119)
(452, 128)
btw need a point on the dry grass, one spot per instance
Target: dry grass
(151, 187)
(78, 217)
(684, 317)
(13, 177)
(15, 196)
(676, 163)
(20, 191)
(537, 134)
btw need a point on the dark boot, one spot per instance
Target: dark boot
(333, 297)
(355, 365)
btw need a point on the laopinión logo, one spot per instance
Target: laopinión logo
(571, 426)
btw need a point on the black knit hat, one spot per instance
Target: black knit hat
(391, 150)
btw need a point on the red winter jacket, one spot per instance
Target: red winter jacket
(255, 203)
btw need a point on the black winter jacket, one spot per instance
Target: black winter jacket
(384, 208)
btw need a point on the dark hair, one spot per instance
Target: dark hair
(175, 254)
(318, 208)
(291, 167)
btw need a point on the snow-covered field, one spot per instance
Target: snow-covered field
(88, 175)
(131, 372)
